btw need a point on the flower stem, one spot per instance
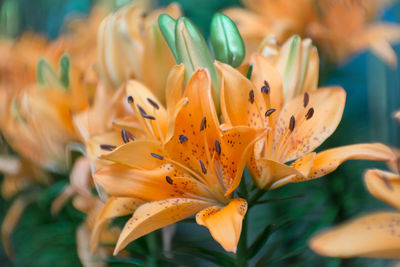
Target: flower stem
(241, 254)
(152, 244)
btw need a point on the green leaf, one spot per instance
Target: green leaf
(167, 26)
(283, 257)
(226, 40)
(219, 258)
(260, 241)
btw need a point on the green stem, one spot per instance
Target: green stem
(152, 244)
(256, 196)
(241, 254)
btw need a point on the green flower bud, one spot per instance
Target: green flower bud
(47, 76)
(64, 70)
(167, 26)
(9, 19)
(226, 41)
(193, 52)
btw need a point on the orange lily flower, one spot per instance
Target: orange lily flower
(282, 18)
(131, 46)
(340, 28)
(344, 28)
(296, 125)
(375, 235)
(193, 171)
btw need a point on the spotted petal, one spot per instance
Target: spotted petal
(155, 215)
(115, 207)
(374, 236)
(328, 160)
(299, 130)
(150, 185)
(224, 223)
(384, 186)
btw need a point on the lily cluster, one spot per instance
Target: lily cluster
(166, 124)
(339, 28)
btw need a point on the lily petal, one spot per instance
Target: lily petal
(308, 132)
(149, 185)
(115, 207)
(224, 224)
(384, 186)
(328, 160)
(263, 70)
(198, 111)
(237, 107)
(174, 90)
(141, 159)
(373, 236)
(148, 110)
(85, 256)
(276, 174)
(155, 215)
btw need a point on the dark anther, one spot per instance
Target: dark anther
(126, 136)
(291, 123)
(153, 103)
(269, 112)
(265, 88)
(251, 96)
(107, 147)
(306, 99)
(203, 124)
(310, 113)
(144, 114)
(169, 179)
(157, 156)
(217, 147)
(183, 138)
(203, 168)
(130, 99)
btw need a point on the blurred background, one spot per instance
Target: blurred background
(373, 94)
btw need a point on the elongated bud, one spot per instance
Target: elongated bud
(64, 64)
(9, 19)
(226, 41)
(297, 61)
(167, 25)
(193, 52)
(45, 74)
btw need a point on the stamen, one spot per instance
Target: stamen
(130, 99)
(144, 114)
(310, 113)
(169, 179)
(217, 147)
(203, 124)
(291, 123)
(265, 88)
(251, 96)
(182, 138)
(107, 147)
(153, 103)
(126, 136)
(306, 99)
(269, 112)
(157, 156)
(203, 168)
